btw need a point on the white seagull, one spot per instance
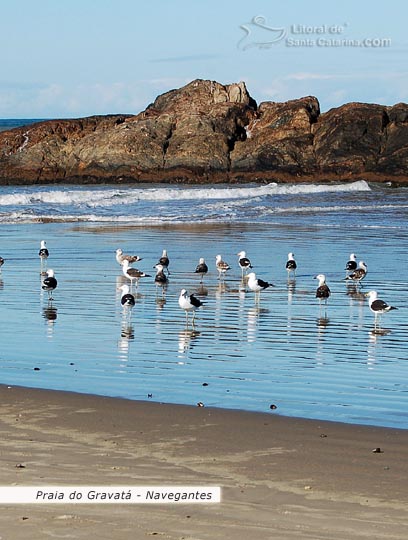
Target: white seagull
(377, 306)
(49, 283)
(221, 265)
(351, 264)
(132, 273)
(121, 257)
(127, 299)
(257, 285)
(201, 268)
(189, 302)
(43, 253)
(164, 261)
(358, 274)
(160, 278)
(322, 292)
(291, 264)
(244, 262)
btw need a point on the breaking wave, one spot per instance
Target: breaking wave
(112, 196)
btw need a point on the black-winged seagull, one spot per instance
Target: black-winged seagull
(351, 264)
(322, 292)
(189, 302)
(377, 306)
(244, 262)
(257, 285)
(49, 283)
(201, 268)
(132, 273)
(291, 264)
(43, 253)
(164, 261)
(358, 274)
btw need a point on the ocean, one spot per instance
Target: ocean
(285, 351)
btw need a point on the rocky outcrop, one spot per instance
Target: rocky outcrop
(206, 131)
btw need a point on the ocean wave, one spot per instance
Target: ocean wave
(110, 197)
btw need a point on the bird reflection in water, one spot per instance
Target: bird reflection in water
(374, 345)
(50, 315)
(127, 334)
(322, 323)
(186, 339)
(291, 286)
(355, 293)
(253, 315)
(160, 303)
(202, 290)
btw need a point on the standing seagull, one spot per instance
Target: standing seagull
(132, 273)
(221, 265)
(49, 283)
(377, 306)
(127, 299)
(201, 268)
(189, 302)
(164, 261)
(43, 253)
(291, 264)
(257, 285)
(160, 279)
(358, 274)
(243, 262)
(351, 264)
(322, 291)
(121, 257)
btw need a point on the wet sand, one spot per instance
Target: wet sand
(281, 478)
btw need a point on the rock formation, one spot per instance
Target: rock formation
(208, 132)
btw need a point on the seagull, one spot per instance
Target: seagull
(43, 253)
(164, 261)
(322, 291)
(221, 265)
(160, 278)
(243, 262)
(189, 302)
(201, 268)
(132, 273)
(351, 264)
(358, 274)
(291, 264)
(377, 306)
(120, 257)
(127, 299)
(49, 283)
(257, 285)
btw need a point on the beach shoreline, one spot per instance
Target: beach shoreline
(281, 477)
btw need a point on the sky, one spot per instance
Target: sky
(74, 58)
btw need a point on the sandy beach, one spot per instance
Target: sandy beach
(281, 478)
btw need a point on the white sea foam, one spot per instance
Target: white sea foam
(109, 197)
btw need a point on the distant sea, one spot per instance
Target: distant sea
(10, 123)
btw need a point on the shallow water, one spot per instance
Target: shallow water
(286, 350)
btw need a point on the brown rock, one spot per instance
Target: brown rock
(349, 139)
(207, 131)
(279, 138)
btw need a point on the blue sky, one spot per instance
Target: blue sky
(71, 58)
